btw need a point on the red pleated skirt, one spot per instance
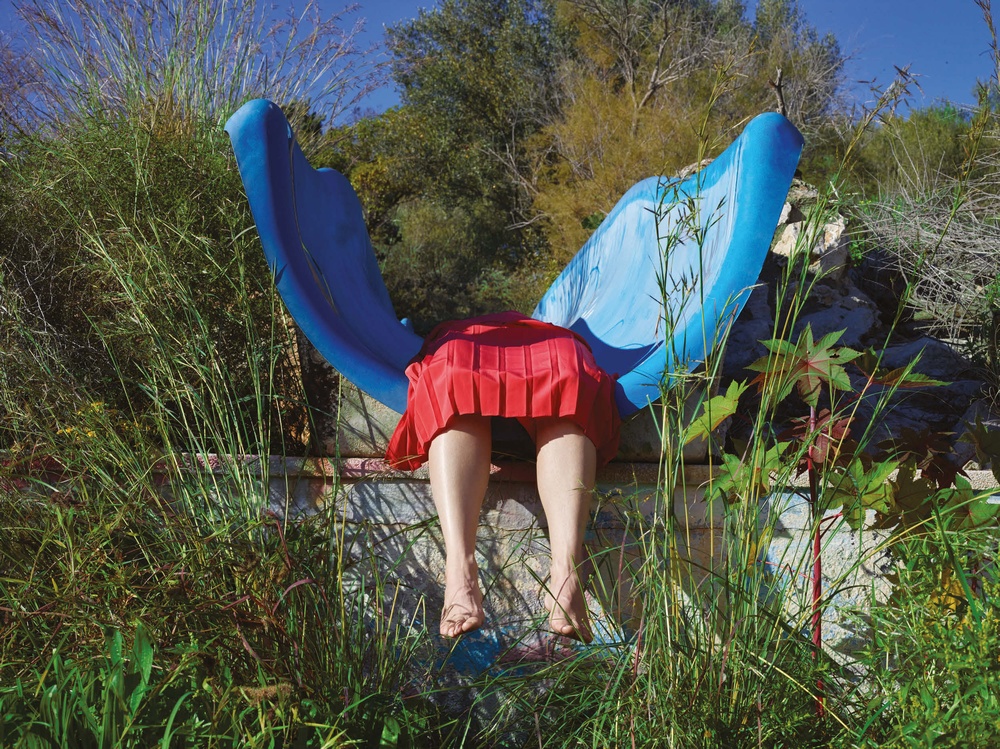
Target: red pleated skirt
(504, 364)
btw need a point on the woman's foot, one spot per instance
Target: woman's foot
(463, 604)
(567, 604)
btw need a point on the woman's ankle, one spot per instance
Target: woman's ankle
(461, 567)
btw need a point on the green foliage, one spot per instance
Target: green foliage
(916, 499)
(438, 175)
(109, 705)
(861, 486)
(439, 266)
(938, 227)
(144, 323)
(485, 66)
(939, 675)
(805, 366)
(656, 87)
(130, 267)
(128, 620)
(715, 411)
(535, 117)
(130, 260)
(749, 477)
(915, 153)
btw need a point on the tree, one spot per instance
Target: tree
(523, 121)
(812, 64)
(658, 85)
(438, 175)
(640, 47)
(479, 76)
(916, 154)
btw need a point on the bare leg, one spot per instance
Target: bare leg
(567, 467)
(459, 466)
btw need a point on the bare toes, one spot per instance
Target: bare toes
(456, 621)
(463, 609)
(567, 606)
(572, 627)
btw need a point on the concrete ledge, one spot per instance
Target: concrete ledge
(363, 427)
(390, 515)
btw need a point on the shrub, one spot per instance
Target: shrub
(132, 250)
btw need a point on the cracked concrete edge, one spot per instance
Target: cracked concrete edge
(363, 426)
(348, 469)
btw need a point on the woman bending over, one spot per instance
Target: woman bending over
(544, 376)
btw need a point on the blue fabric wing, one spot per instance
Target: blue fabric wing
(645, 291)
(314, 236)
(669, 269)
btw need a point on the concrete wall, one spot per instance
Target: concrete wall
(390, 516)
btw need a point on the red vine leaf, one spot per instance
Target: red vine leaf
(806, 365)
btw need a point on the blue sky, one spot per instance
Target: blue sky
(945, 42)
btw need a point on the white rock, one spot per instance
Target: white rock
(829, 255)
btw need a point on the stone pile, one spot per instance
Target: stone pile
(861, 299)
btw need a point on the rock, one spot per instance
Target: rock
(802, 195)
(858, 301)
(755, 324)
(877, 277)
(362, 426)
(937, 359)
(788, 239)
(321, 382)
(829, 254)
(849, 310)
(790, 214)
(938, 408)
(824, 295)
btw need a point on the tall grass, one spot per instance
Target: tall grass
(145, 601)
(173, 63)
(175, 346)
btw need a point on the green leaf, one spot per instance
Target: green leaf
(903, 378)
(971, 510)
(854, 515)
(859, 490)
(114, 643)
(137, 683)
(983, 510)
(807, 366)
(142, 653)
(912, 495)
(714, 411)
(390, 733)
(747, 479)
